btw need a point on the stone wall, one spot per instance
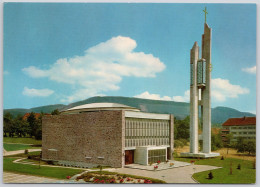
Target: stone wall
(91, 137)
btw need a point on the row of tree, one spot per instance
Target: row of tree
(182, 134)
(20, 127)
(245, 146)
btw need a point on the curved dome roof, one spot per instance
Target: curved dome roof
(98, 107)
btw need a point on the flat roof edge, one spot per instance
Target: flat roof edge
(143, 115)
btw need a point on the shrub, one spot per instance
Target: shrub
(50, 162)
(210, 175)
(26, 151)
(100, 167)
(178, 143)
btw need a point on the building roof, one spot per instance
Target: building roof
(98, 107)
(240, 121)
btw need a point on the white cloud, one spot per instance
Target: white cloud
(37, 92)
(185, 98)
(34, 72)
(147, 95)
(101, 68)
(223, 89)
(251, 70)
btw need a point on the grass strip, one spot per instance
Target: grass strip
(245, 175)
(22, 140)
(53, 172)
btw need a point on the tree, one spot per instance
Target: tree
(55, 112)
(21, 126)
(240, 145)
(38, 132)
(246, 146)
(251, 146)
(182, 128)
(33, 124)
(229, 137)
(8, 125)
(216, 141)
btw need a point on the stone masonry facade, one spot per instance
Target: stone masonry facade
(91, 137)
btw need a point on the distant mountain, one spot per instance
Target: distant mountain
(221, 114)
(179, 109)
(44, 109)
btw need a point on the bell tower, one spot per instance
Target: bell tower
(200, 96)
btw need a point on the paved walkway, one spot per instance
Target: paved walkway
(161, 166)
(8, 153)
(176, 175)
(9, 177)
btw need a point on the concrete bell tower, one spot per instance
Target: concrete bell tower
(200, 96)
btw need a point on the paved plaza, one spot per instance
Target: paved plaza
(180, 172)
(9, 177)
(161, 166)
(176, 175)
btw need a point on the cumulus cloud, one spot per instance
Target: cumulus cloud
(223, 89)
(147, 95)
(37, 92)
(184, 98)
(101, 68)
(251, 70)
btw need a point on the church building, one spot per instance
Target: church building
(108, 134)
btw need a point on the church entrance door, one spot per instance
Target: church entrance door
(129, 157)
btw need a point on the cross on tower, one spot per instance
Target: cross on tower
(205, 11)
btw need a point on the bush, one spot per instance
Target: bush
(100, 167)
(210, 175)
(50, 162)
(26, 151)
(178, 143)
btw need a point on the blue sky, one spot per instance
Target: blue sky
(62, 53)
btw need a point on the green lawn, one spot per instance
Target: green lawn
(247, 175)
(59, 173)
(15, 147)
(22, 140)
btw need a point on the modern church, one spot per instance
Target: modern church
(107, 134)
(116, 135)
